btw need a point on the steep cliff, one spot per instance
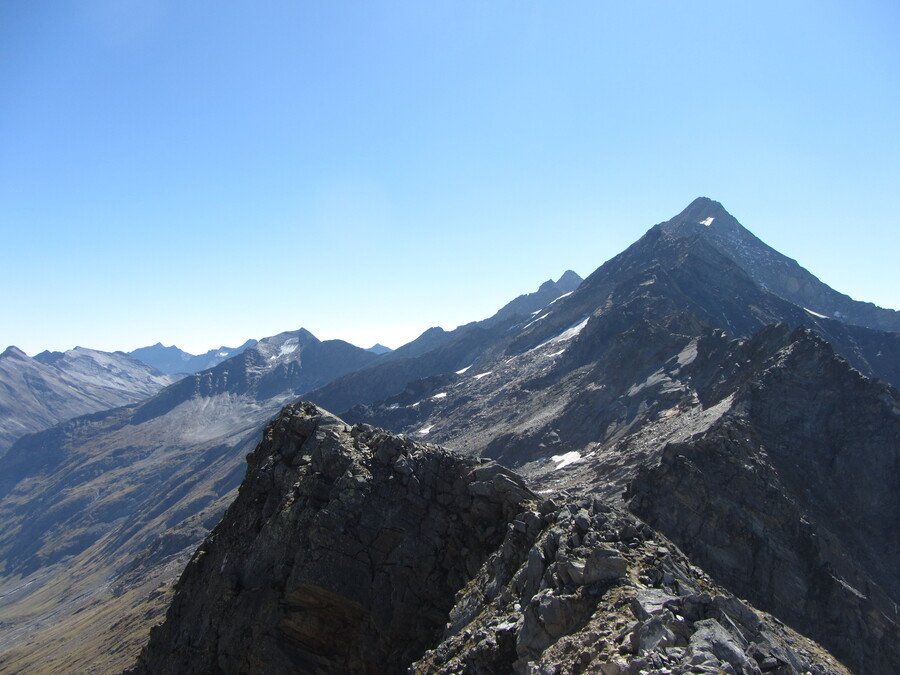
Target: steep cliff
(791, 498)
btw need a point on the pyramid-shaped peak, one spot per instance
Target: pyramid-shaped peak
(569, 281)
(705, 211)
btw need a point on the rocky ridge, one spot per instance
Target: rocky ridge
(770, 460)
(437, 351)
(353, 550)
(644, 375)
(789, 498)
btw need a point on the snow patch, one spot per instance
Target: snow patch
(460, 372)
(531, 323)
(424, 431)
(708, 221)
(393, 406)
(437, 397)
(289, 346)
(480, 375)
(560, 297)
(821, 316)
(566, 459)
(571, 332)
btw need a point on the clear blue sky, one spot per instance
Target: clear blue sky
(200, 173)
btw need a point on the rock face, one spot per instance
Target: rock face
(342, 553)
(355, 551)
(98, 515)
(791, 500)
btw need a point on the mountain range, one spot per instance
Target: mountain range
(38, 392)
(174, 361)
(698, 424)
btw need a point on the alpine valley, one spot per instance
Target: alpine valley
(688, 462)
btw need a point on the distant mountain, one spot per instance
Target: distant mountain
(532, 303)
(672, 267)
(379, 349)
(173, 360)
(38, 392)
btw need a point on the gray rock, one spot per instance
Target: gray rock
(347, 563)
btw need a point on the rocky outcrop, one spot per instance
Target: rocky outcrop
(581, 587)
(342, 553)
(791, 500)
(355, 551)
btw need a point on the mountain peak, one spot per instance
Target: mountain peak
(705, 211)
(13, 352)
(569, 281)
(707, 219)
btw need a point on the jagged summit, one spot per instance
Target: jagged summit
(533, 302)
